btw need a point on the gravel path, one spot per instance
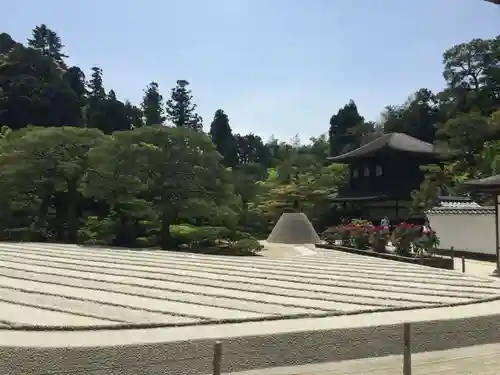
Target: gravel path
(86, 286)
(477, 360)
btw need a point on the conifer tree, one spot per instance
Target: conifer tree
(152, 105)
(180, 110)
(222, 137)
(47, 43)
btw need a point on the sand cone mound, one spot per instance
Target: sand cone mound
(294, 228)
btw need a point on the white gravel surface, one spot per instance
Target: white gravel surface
(52, 284)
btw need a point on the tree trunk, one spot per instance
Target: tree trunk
(72, 213)
(41, 220)
(165, 236)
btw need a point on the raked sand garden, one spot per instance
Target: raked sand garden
(67, 285)
(51, 290)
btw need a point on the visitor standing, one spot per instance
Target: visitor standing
(426, 228)
(385, 223)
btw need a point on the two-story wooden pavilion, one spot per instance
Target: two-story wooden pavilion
(383, 173)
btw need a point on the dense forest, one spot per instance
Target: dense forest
(78, 165)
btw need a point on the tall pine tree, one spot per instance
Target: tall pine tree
(222, 137)
(96, 87)
(47, 43)
(152, 105)
(7, 43)
(180, 109)
(96, 96)
(134, 114)
(75, 78)
(343, 134)
(105, 111)
(34, 92)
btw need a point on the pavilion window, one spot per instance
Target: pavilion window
(367, 172)
(379, 171)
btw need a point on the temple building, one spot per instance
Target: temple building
(382, 175)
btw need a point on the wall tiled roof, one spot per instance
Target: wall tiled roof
(460, 207)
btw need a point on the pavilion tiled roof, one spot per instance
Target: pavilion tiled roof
(391, 141)
(492, 182)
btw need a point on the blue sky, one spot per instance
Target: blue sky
(279, 67)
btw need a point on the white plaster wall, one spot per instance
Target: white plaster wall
(474, 233)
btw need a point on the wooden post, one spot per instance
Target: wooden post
(407, 349)
(463, 264)
(452, 253)
(217, 358)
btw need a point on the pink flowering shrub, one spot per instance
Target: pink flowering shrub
(403, 236)
(363, 235)
(379, 238)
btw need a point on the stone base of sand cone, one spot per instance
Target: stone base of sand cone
(294, 228)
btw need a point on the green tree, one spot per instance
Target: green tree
(7, 43)
(318, 148)
(47, 43)
(96, 96)
(418, 117)
(104, 110)
(180, 109)
(134, 115)
(110, 115)
(310, 189)
(489, 160)
(44, 166)
(175, 169)
(472, 71)
(445, 180)
(250, 149)
(152, 105)
(346, 129)
(33, 91)
(465, 137)
(75, 78)
(222, 137)
(97, 92)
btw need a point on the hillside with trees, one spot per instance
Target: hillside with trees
(78, 165)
